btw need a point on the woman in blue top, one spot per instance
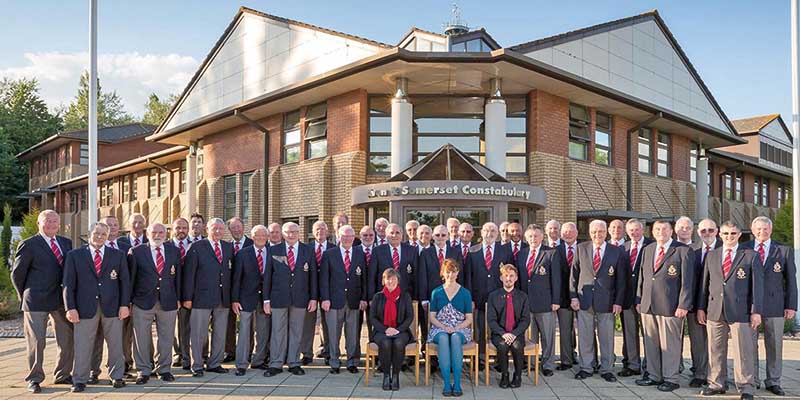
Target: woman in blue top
(451, 322)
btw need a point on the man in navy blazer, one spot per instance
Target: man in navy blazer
(290, 292)
(319, 245)
(180, 240)
(665, 293)
(37, 278)
(483, 277)
(206, 291)
(402, 257)
(597, 289)
(343, 293)
(780, 298)
(516, 239)
(567, 248)
(135, 237)
(97, 291)
(156, 280)
(238, 242)
(247, 301)
(631, 320)
(540, 279)
(731, 302)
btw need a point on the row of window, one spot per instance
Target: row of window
(315, 122)
(59, 158)
(230, 194)
(732, 189)
(775, 155)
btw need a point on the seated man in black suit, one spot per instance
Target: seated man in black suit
(508, 316)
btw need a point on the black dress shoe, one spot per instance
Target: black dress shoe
(307, 360)
(229, 358)
(240, 372)
(34, 387)
(387, 382)
(711, 392)
(335, 370)
(352, 369)
(504, 383)
(93, 380)
(118, 383)
(270, 372)
(516, 381)
(547, 372)
(297, 371)
(262, 367)
(609, 377)
(776, 390)
(218, 369)
(142, 379)
(327, 361)
(395, 382)
(458, 393)
(581, 375)
(668, 386)
(563, 367)
(746, 396)
(77, 388)
(65, 381)
(626, 372)
(647, 382)
(197, 373)
(167, 377)
(696, 383)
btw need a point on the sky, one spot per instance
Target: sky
(741, 49)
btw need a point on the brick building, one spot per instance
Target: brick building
(286, 121)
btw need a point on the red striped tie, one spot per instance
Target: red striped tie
(659, 258)
(570, 256)
(159, 261)
(727, 263)
(516, 250)
(290, 257)
(113, 246)
(136, 242)
(367, 254)
(761, 252)
(347, 261)
(441, 257)
(182, 249)
(487, 258)
(464, 251)
(596, 260)
(56, 251)
(217, 252)
(260, 260)
(531, 260)
(98, 262)
(634, 252)
(235, 248)
(395, 258)
(319, 254)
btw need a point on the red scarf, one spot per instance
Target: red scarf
(390, 308)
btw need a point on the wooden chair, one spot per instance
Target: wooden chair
(531, 349)
(469, 349)
(412, 350)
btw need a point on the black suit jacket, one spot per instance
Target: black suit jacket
(606, 288)
(560, 266)
(522, 246)
(83, 289)
(633, 273)
(248, 282)
(122, 244)
(284, 287)
(672, 286)
(429, 263)
(734, 297)
(147, 286)
(481, 281)
(496, 312)
(337, 285)
(245, 242)
(405, 314)
(409, 270)
(543, 287)
(37, 276)
(780, 286)
(206, 281)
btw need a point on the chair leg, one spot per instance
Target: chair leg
(529, 365)
(536, 368)
(366, 369)
(427, 369)
(416, 370)
(486, 367)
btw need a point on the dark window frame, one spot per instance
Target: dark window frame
(579, 130)
(605, 129)
(291, 125)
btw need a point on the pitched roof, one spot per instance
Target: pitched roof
(448, 163)
(108, 135)
(414, 29)
(753, 124)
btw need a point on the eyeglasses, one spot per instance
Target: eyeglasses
(710, 230)
(728, 233)
(440, 234)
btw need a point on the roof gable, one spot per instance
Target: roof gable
(259, 53)
(778, 131)
(448, 163)
(752, 125)
(637, 56)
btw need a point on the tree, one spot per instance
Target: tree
(5, 237)
(156, 110)
(783, 226)
(110, 110)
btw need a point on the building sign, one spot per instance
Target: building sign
(502, 192)
(450, 190)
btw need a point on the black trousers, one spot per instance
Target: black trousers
(391, 350)
(516, 348)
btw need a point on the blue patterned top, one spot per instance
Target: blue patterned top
(450, 312)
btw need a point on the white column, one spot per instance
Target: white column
(402, 121)
(702, 186)
(92, 203)
(191, 180)
(495, 126)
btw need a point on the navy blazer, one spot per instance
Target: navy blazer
(84, 290)
(36, 274)
(699, 265)
(606, 288)
(123, 245)
(340, 287)
(206, 281)
(561, 266)
(245, 242)
(634, 272)
(481, 281)
(543, 287)
(734, 297)
(780, 286)
(126, 241)
(672, 286)
(147, 285)
(409, 270)
(429, 264)
(248, 282)
(522, 245)
(284, 287)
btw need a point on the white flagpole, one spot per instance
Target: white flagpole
(92, 203)
(796, 132)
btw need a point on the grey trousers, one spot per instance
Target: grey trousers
(182, 336)
(543, 330)
(263, 326)
(127, 340)
(698, 341)
(743, 355)
(590, 322)
(566, 335)
(773, 345)
(348, 319)
(285, 320)
(35, 326)
(143, 339)
(662, 339)
(310, 331)
(199, 322)
(631, 321)
(85, 332)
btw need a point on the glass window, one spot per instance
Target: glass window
(310, 220)
(458, 47)
(380, 141)
(728, 185)
(153, 189)
(84, 154)
(579, 135)
(200, 162)
(644, 151)
(73, 201)
(246, 196)
(316, 131)
(162, 184)
(780, 196)
(126, 188)
(67, 155)
(663, 155)
(474, 46)
(516, 136)
(602, 139)
(183, 177)
(739, 187)
(110, 193)
(102, 193)
(229, 197)
(454, 120)
(291, 137)
(764, 193)
(694, 154)
(84, 197)
(134, 188)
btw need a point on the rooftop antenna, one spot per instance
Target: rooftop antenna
(455, 26)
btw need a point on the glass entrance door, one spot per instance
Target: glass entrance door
(432, 216)
(475, 216)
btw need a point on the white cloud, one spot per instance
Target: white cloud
(134, 76)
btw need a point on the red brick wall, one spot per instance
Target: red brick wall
(120, 152)
(347, 122)
(548, 123)
(679, 157)
(619, 140)
(234, 150)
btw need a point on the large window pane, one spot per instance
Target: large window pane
(380, 124)
(246, 196)
(229, 198)
(292, 137)
(381, 144)
(577, 150)
(380, 164)
(516, 144)
(469, 144)
(644, 151)
(292, 154)
(318, 148)
(515, 164)
(448, 125)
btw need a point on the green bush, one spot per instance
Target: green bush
(5, 237)
(9, 302)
